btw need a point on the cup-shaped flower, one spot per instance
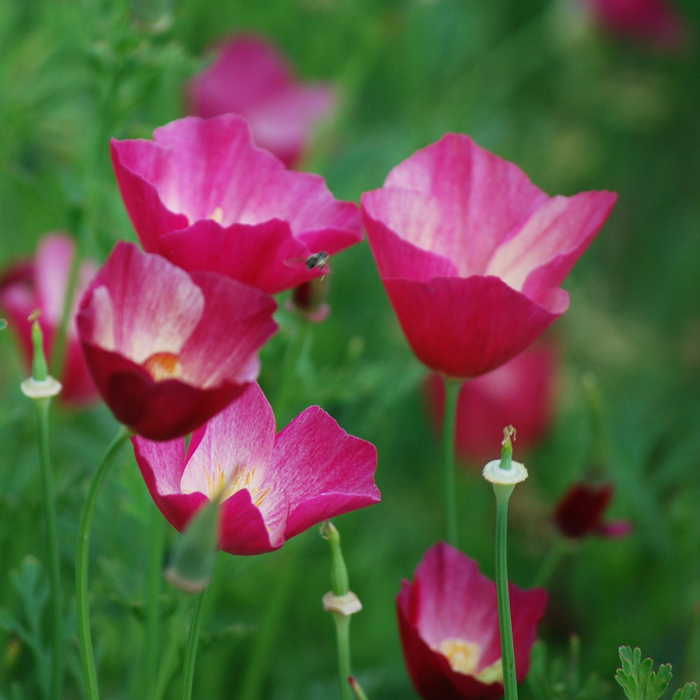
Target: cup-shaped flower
(448, 620)
(272, 486)
(203, 196)
(581, 510)
(42, 283)
(168, 350)
(653, 21)
(471, 253)
(519, 393)
(251, 78)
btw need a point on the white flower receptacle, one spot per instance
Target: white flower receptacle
(496, 475)
(43, 389)
(347, 604)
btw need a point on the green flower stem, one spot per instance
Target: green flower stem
(42, 411)
(549, 565)
(191, 651)
(342, 631)
(295, 350)
(452, 389)
(270, 623)
(155, 578)
(503, 492)
(81, 565)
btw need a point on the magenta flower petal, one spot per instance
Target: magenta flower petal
(519, 393)
(471, 253)
(43, 283)
(273, 487)
(203, 196)
(252, 79)
(448, 620)
(168, 350)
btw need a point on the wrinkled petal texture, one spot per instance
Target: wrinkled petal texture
(450, 599)
(140, 306)
(472, 254)
(202, 195)
(279, 485)
(42, 284)
(250, 78)
(519, 393)
(655, 21)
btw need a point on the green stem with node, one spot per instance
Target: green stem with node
(452, 389)
(87, 656)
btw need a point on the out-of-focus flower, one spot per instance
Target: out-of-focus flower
(519, 393)
(308, 300)
(168, 350)
(448, 620)
(654, 21)
(249, 77)
(42, 283)
(203, 196)
(272, 487)
(581, 509)
(471, 253)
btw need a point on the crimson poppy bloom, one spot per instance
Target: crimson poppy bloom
(580, 512)
(448, 620)
(471, 253)
(203, 196)
(251, 78)
(654, 21)
(519, 393)
(168, 350)
(42, 283)
(274, 486)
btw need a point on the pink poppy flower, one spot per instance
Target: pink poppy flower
(249, 77)
(169, 350)
(580, 512)
(654, 21)
(519, 393)
(274, 486)
(448, 620)
(203, 196)
(42, 283)
(471, 253)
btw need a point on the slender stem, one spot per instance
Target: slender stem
(155, 577)
(87, 657)
(510, 682)
(191, 651)
(295, 350)
(452, 389)
(550, 563)
(342, 629)
(42, 410)
(269, 626)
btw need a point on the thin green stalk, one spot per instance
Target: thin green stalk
(155, 577)
(87, 657)
(510, 682)
(191, 651)
(342, 630)
(550, 563)
(294, 353)
(270, 624)
(42, 411)
(452, 389)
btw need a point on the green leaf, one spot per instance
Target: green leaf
(640, 682)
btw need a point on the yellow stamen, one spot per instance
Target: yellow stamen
(217, 215)
(462, 655)
(163, 365)
(218, 486)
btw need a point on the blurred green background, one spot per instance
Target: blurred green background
(576, 109)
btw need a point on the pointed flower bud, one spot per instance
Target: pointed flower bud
(340, 599)
(40, 385)
(195, 554)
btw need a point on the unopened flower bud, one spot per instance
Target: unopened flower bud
(339, 572)
(41, 385)
(194, 559)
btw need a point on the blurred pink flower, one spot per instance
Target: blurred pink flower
(448, 620)
(203, 196)
(654, 21)
(580, 512)
(519, 393)
(169, 350)
(251, 78)
(274, 486)
(471, 253)
(42, 283)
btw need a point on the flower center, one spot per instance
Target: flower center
(217, 215)
(163, 365)
(462, 655)
(219, 486)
